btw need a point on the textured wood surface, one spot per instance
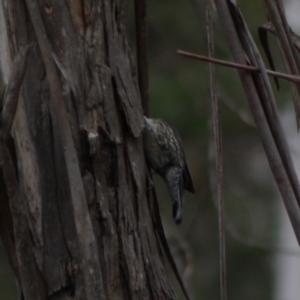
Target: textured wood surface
(73, 182)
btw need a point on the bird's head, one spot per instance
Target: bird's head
(151, 124)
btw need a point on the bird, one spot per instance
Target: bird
(165, 155)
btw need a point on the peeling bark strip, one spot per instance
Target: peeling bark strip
(11, 93)
(24, 263)
(86, 239)
(74, 173)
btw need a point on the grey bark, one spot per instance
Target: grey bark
(75, 213)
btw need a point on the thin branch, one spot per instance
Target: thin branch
(295, 38)
(217, 151)
(292, 78)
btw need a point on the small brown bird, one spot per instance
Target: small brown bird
(164, 152)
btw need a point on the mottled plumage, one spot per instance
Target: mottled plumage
(165, 155)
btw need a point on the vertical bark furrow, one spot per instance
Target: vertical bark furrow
(122, 73)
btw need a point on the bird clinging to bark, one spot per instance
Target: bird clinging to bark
(164, 152)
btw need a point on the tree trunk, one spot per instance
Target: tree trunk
(75, 203)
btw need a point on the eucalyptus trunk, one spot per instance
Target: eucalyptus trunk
(75, 207)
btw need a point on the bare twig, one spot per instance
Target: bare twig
(217, 151)
(292, 78)
(295, 38)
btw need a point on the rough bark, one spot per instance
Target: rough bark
(75, 203)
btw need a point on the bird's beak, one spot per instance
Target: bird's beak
(147, 125)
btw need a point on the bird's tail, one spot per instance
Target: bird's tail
(174, 182)
(177, 210)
